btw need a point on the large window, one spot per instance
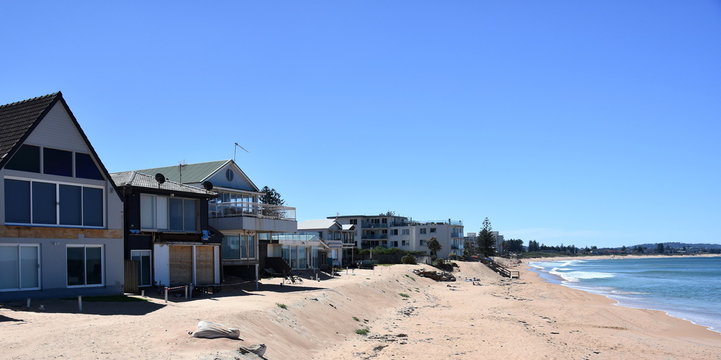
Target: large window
(27, 158)
(237, 247)
(45, 203)
(19, 267)
(85, 167)
(165, 213)
(55, 162)
(85, 265)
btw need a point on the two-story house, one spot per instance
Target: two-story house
(245, 223)
(61, 216)
(166, 231)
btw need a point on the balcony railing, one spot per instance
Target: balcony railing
(245, 208)
(457, 234)
(366, 236)
(374, 225)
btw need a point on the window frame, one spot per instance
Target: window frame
(57, 203)
(85, 265)
(141, 253)
(18, 246)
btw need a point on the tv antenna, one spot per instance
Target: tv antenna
(236, 148)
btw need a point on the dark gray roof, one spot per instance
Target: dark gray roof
(16, 119)
(138, 179)
(191, 173)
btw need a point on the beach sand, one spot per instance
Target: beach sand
(524, 318)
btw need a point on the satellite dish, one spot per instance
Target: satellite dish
(160, 178)
(208, 185)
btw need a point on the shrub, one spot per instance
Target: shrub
(363, 332)
(404, 295)
(408, 259)
(282, 306)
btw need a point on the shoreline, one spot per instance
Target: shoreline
(558, 280)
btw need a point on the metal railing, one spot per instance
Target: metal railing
(246, 208)
(372, 225)
(374, 236)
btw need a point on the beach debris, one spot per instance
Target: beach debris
(243, 353)
(211, 330)
(257, 349)
(435, 275)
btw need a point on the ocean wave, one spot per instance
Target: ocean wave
(575, 276)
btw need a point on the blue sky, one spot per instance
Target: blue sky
(575, 122)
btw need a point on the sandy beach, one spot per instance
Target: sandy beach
(406, 317)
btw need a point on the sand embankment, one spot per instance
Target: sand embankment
(501, 319)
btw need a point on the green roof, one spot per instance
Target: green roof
(191, 173)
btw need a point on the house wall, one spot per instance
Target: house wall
(239, 181)
(161, 264)
(53, 273)
(57, 130)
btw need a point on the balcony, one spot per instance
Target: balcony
(366, 236)
(242, 215)
(371, 225)
(246, 208)
(457, 234)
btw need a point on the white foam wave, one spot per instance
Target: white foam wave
(575, 276)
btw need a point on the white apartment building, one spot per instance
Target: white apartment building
(392, 231)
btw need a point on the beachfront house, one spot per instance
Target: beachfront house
(316, 244)
(61, 219)
(167, 236)
(393, 231)
(244, 222)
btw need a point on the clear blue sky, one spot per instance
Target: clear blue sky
(575, 122)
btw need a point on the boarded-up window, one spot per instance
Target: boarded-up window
(181, 265)
(204, 265)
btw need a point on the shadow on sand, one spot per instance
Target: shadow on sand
(5, 318)
(66, 306)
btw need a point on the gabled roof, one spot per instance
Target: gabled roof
(19, 119)
(191, 173)
(196, 173)
(316, 224)
(16, 119)
(136, 179)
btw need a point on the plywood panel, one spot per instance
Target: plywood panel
(181, 265)
(204, 265)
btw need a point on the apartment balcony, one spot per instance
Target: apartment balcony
(457, 234)
(374, 236)
(370, 225)
(241, 215)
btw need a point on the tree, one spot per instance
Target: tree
(533, 245)
(486, 239)
(469, 248)
(513, 245)
(660, 248)
(434, 246)
(271, 197)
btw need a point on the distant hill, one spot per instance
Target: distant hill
(678, 246)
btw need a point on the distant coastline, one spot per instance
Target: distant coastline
(673, 287)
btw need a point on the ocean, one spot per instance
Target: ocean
(684, 287)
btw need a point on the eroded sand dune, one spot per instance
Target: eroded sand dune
(406, 317)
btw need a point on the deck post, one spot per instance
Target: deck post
(80, 303)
